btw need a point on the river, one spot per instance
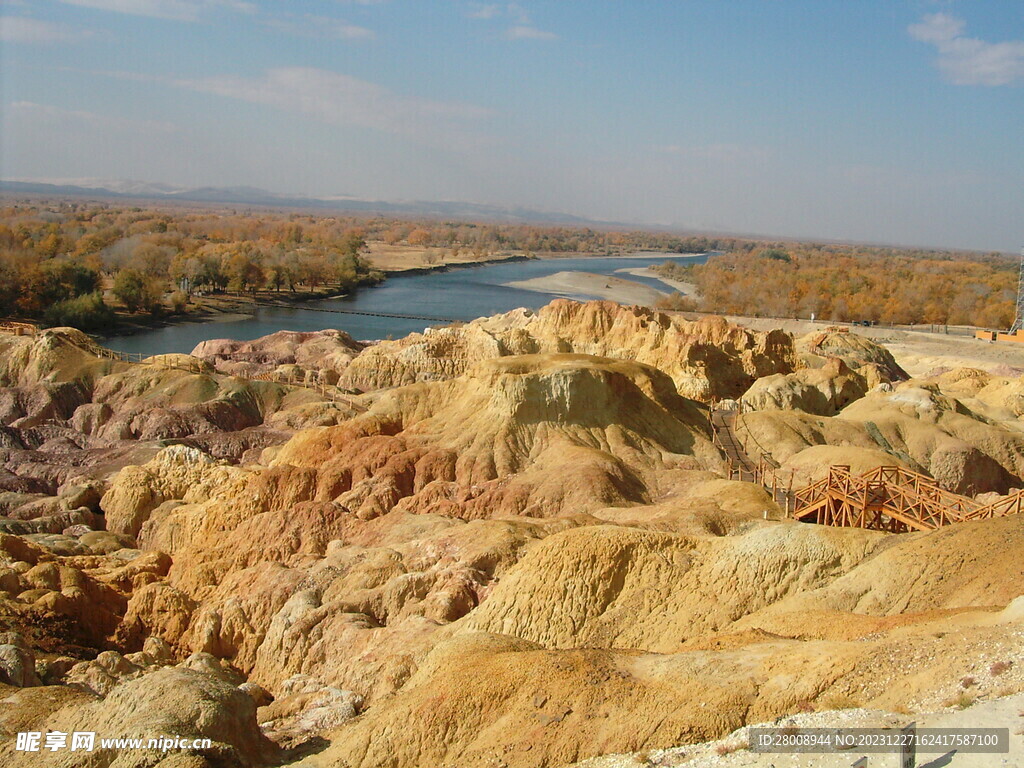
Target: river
(464, 293)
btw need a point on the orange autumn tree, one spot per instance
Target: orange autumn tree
(858, 283)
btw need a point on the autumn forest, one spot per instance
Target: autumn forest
(87, 264)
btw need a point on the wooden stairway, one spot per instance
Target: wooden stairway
(764, 472)
(887, 498)
(891, 498)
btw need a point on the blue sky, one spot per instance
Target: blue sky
(877, 120)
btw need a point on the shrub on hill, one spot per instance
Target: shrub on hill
(87, 313)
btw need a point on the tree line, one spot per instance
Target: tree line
(71, 265)
(901, 286)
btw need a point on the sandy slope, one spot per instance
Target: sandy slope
(684, 287)
(586, 283)
(402, 258)
(511, 550)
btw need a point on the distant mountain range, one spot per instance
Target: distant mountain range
(141, 190)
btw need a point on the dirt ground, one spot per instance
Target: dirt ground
(586, 283)
(918, 352)
(402, 258)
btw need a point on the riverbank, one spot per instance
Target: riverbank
(225, 308)
(405, 261)
(574, 284)
(409, 260)
(639, 255)
(398, 307)
(211, 308)
(682, 286)
(398, 260)
(448, 266)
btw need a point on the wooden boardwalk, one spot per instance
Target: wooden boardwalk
(742, 467)
(892, 498)
(327, 391)
(723, 425)
(18, 329)
(887, 498)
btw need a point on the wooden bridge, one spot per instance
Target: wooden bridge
(891, 498)
(765, 471)
(317, 384)
(887, 498)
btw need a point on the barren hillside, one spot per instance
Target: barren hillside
(509, 543)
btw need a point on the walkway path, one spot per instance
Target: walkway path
(887, 498)
(741, 465)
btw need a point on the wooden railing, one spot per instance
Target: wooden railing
(18, 329)
(888, 498)
(765, 471)
(170, 361)
(291, 379)
(1011, 505)
(892, 498)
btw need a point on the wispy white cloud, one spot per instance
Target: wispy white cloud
(518, 14)
(527, 32)
(22, 29)
(177, 10)
(521, 26)
(967, 60)
(484, 10)
(322, 27)
(937, 28)
(340, 99)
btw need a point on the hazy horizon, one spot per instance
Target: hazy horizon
(895, 122)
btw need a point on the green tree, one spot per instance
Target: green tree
(137, 291)
(130, 288)
(71, 278)
(777, 254)
(87, 313)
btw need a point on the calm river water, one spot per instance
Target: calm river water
(461, 294)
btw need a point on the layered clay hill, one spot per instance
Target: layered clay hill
(507, 543)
